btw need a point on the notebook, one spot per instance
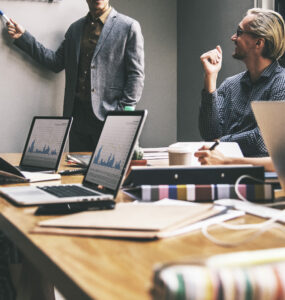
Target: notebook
(270, 117)
(43, 147)
(105, 172)
(131, 220)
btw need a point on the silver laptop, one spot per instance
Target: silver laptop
(270, 117)
(105, 172)
(43, 147)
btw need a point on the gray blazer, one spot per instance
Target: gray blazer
(117, 67)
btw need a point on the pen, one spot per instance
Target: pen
(217, 142)
(7, 20)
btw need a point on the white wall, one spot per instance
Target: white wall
(269, 4)
(27, 89)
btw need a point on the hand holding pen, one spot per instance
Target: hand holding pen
(217, 142)
(210, 156)
(15, 30)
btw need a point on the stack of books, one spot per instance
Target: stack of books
(203, 193)
(241, 275)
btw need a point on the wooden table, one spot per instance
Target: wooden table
(89, 268)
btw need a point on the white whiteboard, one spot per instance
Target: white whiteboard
(28, 89)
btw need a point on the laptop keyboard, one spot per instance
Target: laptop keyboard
(67, 191)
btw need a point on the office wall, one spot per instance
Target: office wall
(203, 24)
(270, 4)
(158, 19)
(27, 89)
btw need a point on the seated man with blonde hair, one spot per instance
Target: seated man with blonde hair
(225, 112)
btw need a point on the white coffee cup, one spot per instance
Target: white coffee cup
(179, 156)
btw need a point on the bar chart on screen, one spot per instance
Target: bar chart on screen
(111, 162)
(112, 150)
(45, 140)
(45, 150)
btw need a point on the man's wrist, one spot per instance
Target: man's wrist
(210, 82)
(229, 160)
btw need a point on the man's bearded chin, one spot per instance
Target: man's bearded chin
(238, 56)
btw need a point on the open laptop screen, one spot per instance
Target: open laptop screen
(115, 146)
(45, 142)
(269, 116)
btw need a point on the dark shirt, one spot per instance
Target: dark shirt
(91, 33)
(226, 114)
(84, 118)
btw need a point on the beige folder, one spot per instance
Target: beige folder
(128, 220)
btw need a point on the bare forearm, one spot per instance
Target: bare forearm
(210, 82)
(266, 162)
(212, 62)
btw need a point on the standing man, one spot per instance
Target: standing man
(103, 58)
(225, 113)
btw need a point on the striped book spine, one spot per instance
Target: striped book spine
(194, 282)
(205, 193)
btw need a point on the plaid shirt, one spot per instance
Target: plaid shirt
(226, 114)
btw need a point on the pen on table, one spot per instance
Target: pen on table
(217, 142)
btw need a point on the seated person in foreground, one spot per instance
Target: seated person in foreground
(215, 157)
(225, 113)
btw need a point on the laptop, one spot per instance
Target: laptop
(270, 117)
(105, 172)
(43, 147)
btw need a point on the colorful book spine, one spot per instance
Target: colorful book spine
(193, 282)
(205, 193)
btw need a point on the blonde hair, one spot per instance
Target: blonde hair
(269, 25)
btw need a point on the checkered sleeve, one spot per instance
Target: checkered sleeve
(250, 142)
(277, 91)
(211, 114)
(226, 114)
